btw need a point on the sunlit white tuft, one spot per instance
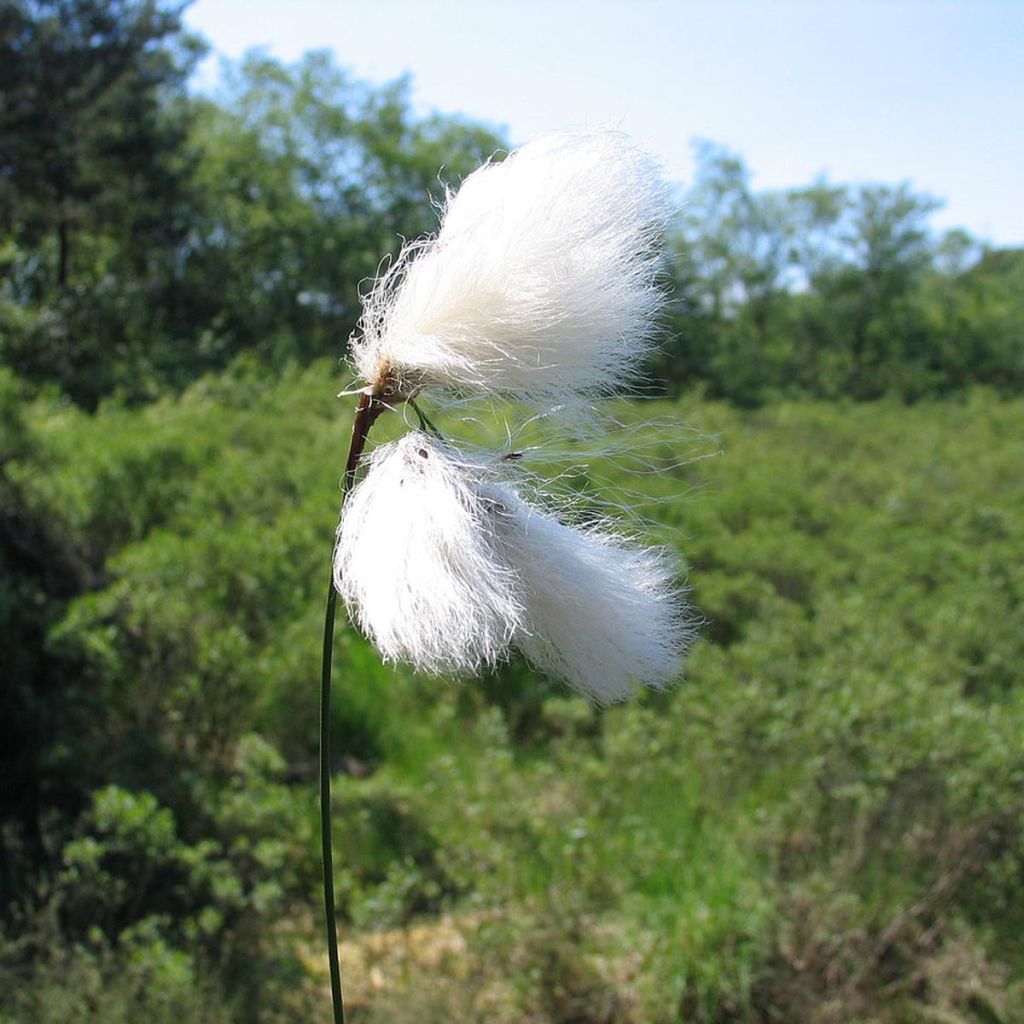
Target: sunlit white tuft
(601, 614)
(445, 565)
(415, 564)
(540, 285)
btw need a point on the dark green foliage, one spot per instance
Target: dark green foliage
(96, 193)
(828, 808)
(91, 141)
(143, 917)
(833, 291)
(141, 978)
(147, 237)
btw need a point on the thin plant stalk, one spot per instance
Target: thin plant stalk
(368, 409)
(325, 807)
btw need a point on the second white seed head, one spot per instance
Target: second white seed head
(444, 565)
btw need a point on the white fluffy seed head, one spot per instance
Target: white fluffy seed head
(601, 614)
(415, 564)
(540, 285)
(444, 565)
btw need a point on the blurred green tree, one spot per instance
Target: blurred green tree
(95, 184)
(91, 143)
(147, 237)
(307, 177)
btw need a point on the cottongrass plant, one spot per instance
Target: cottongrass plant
(540, 286)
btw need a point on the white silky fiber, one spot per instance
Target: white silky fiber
(443, 564)
(416, 568)
(602, 614)
(540, 284)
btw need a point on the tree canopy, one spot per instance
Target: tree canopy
(149, 235)
(831, 290)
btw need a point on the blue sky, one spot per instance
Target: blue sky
(927, 91)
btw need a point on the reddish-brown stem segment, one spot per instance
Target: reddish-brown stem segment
(367, 411)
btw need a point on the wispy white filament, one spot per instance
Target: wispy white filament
(444, 565)
(539, 285)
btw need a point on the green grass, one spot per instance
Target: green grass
(822, 822)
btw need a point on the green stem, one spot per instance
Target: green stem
(325, 806)
(425, 422)
(367, 411)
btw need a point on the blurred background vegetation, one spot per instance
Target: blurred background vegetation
(823, 822)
